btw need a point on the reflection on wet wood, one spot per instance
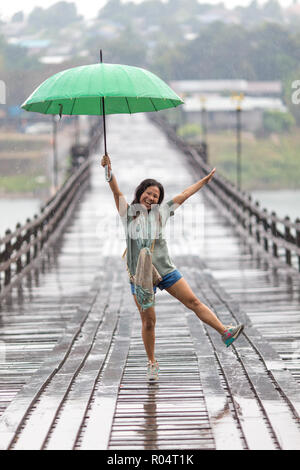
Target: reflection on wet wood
(171, 413)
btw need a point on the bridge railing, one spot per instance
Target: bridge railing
(20, 248)
(277, 238)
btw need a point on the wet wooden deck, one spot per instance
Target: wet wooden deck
(72, 359)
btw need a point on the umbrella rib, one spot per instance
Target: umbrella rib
(153, 104)
(48, 107)
(73, 107)
(127, 104)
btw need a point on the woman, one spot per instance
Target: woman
(140, 233)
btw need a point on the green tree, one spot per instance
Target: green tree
(169, 60)
(18, 17)
(56, 16)
(117, 11)
(278, 122)
(127, 48)
(250, 14)
(272, 9)
(219, 51)
(274, 52)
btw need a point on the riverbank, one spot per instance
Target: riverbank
(26, 162)
(23, 185)
(268, 163)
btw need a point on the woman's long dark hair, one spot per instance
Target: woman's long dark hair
(143, 186)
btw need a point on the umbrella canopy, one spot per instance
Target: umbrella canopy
(101, 89)
(82, 90)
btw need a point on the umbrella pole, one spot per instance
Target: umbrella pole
(107, 172)
(104, 126)
(54, 145)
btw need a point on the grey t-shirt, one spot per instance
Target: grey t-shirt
(142, 230)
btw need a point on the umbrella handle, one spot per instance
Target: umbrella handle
(107, 173)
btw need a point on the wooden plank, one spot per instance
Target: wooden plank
(104, 400)
(154, 416)
(243, 397)
(58, 388)
(11, 420)
(224, 427)
(64, 433)
(278, 413)
(267, 354)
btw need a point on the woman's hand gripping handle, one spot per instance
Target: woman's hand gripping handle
(105, 162)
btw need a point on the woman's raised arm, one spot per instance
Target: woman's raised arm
(188, 192)
(120, 199)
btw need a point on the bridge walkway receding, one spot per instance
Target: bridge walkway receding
(73, 375)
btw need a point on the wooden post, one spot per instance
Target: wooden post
(287, 237)
(27, 237)
(274, 233)
(257, 222)
(7, 254)
(244, 206)
(35, 236)
(250, 215)
(298, 239)
(41, 226)
(265, 223)
(18, 245)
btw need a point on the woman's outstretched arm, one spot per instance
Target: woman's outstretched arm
(120, 199)
(188, 192)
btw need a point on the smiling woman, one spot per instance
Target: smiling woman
(148, 262)
(149, 192)
(150, 196)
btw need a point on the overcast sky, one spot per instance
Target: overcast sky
(90, 8)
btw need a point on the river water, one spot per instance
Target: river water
(17, 210)
(284, 202)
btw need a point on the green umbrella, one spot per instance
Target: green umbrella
(101, 89)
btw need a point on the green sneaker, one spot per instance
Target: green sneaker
(231, 334)
(152, 370)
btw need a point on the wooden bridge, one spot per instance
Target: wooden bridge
(72, 361)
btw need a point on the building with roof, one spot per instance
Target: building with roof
(258, 88)
(216, 97)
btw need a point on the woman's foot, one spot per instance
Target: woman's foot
(152, 370)
(231, 334)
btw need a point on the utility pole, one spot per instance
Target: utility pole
(238, 99)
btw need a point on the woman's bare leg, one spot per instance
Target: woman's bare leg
(148, 318)
(182, 291)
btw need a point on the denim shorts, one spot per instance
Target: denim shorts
(167, 281)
